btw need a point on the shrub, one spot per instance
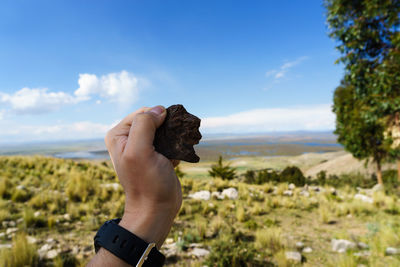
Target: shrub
(225, 172)
(261, 176)
(31, 220)
(292, 174)
(289, 175)
(80, 187)
(21, 254)
(233, 252)
(5, 187)
(20, 195)
(269, 238)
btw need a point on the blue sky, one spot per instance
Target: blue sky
(72, 69)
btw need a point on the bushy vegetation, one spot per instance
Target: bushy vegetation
(225, 172)
(256, 229)
(291, 174)
(20, 255)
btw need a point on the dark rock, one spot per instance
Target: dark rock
(177, 135)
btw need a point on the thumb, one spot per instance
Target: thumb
(143, 129)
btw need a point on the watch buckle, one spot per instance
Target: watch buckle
(145, 254)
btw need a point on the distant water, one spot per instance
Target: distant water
(206, 143)
(83, 155)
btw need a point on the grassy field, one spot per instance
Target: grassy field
(51, 208)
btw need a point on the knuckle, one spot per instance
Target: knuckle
(132, 158)
(144, 118)
(109, 139)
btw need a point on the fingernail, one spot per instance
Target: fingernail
(158, 110)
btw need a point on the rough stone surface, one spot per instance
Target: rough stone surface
(177, 135)
(307, 250)
(202, 195)
(342, 245)
(392, 251)
(364, 198)
(199, 252)
(293, 256)
(230, 193)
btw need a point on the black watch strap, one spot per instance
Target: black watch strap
(127, 246)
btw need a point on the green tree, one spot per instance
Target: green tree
(225, 172)
(363, 138)
(368, 38)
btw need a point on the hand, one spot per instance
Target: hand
(153, 192)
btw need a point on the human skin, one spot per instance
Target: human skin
(153, 193)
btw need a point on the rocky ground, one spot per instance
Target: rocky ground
(46, 214)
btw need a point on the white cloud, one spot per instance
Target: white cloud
(36, 100)
(2, 112)
(309, 118)
(282, 70)
(67, 131)
(119, 87)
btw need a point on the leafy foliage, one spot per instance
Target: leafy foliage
(367, 103)
(225, 172)
(290, 174)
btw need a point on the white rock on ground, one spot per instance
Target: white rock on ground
(392, 251)
(37, 214)
(377, 187)
(299, 245)
(199, 252)
(362, 245)
(231, 193)
(307, 250)
(305, 193)
(293, 255)
(5, 246)
(51, 254)
(201, 195)
(170, 250)
(291, 186)
(364, 253)
(288, 193)
(217, 195)
(364, 198)
(11, 230)
(43, 250)
(113, 186)
(342, 245)
(31, 239)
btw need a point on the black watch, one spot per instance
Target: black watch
(127, 246)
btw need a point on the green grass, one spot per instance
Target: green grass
(256, 229)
